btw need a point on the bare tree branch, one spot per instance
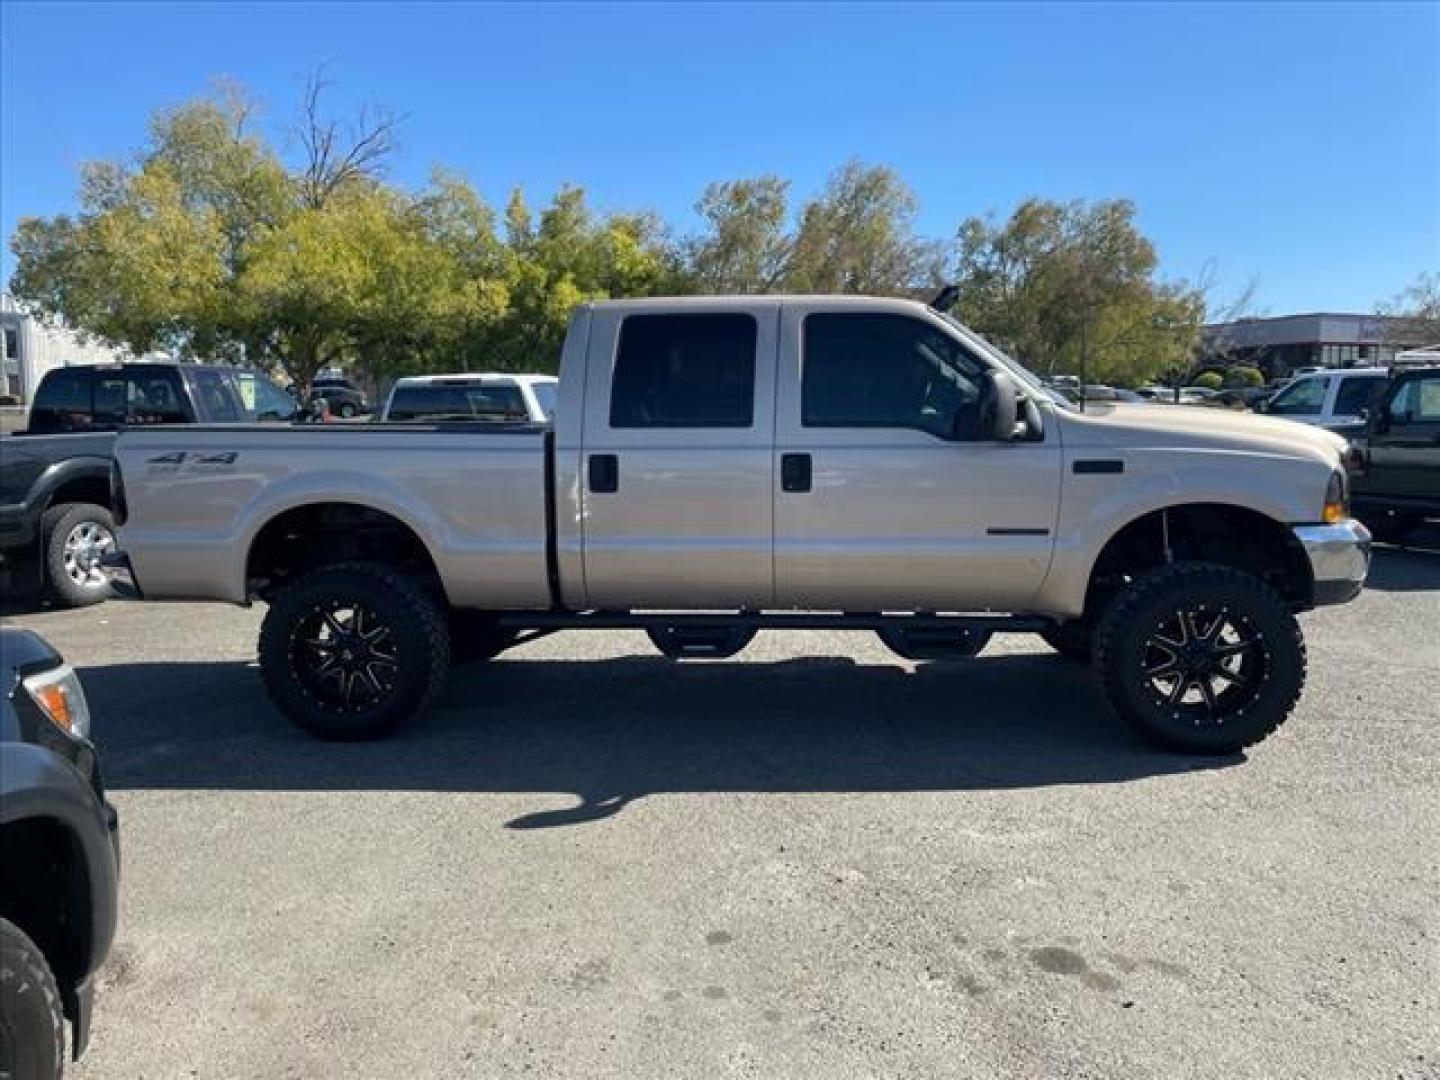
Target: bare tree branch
(340, 154)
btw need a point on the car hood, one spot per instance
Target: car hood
(1194, 427)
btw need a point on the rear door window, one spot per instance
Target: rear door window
(684, 371)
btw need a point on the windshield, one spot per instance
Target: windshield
(262, 399)
(1032, 381)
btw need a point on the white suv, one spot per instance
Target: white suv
(1329, 398)
(472, 397)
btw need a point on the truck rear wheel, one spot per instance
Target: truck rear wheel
(352, 651)
(32, 1027)
(1201, 658)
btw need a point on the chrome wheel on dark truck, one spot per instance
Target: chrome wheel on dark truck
(32, 1026)
(1201, 658)
(76, 536)
(353, 650)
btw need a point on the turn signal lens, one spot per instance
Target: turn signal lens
(60, 697)
(1337, 500)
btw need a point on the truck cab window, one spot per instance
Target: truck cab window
(63, 402)
(880, 370)
(112, 399)
(156, 398)
(215, 397)
(684, 371)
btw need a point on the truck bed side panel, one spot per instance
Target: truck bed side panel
(198, 496)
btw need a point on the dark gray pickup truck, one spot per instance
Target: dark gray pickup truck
(55, 521)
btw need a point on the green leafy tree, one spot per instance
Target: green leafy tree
(568, 256)
(745, 247)
(1208, 380)
(1072, 285)
(1242, 376)
(858, 236)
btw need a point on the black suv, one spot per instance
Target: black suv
(59, 860)
(1396, 485)
(344, 398)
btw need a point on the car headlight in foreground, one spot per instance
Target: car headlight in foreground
(58, 694)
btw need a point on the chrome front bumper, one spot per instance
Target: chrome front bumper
(1339, 559)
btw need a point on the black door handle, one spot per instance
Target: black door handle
(795, 472)
(604, 473)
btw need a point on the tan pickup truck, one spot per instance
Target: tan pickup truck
(722, 465)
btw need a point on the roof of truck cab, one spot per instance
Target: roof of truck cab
(472, 376)
(670, 303)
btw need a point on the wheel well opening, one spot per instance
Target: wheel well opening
(87, 489)
(323, 534)
(1208, 532)
(45, 891)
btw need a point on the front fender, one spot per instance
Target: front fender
(40, 786)
(1097, 507)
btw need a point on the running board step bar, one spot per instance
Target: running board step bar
(767, 620)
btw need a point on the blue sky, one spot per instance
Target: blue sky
(1296, 145)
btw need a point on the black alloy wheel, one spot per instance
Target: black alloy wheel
(343, 652)
(1201, 658)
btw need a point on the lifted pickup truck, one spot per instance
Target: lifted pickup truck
(721, 465)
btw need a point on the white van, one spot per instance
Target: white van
(496, 396)
(1330, 397)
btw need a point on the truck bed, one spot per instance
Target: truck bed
(198, 496)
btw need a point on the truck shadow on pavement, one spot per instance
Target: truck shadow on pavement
(614, 730)
(1415, 567)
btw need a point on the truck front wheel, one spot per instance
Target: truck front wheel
(32, 1029)
(352, 651)
(1201, 658)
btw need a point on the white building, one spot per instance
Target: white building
(33, 346)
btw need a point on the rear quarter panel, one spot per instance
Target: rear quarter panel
(197, 497)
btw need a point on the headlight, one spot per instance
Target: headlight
(60, 697)
(1337, 499)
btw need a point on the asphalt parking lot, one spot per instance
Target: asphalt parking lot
(812, 860)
